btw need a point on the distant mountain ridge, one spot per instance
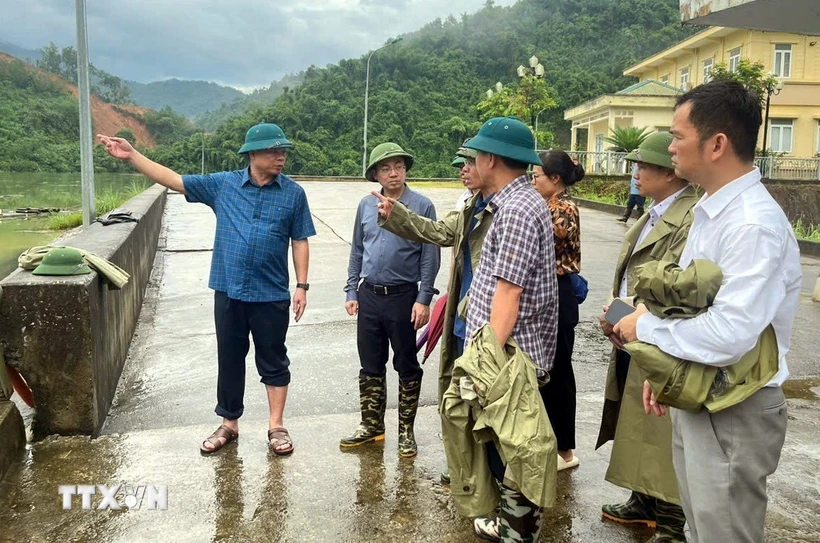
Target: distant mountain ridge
(28, 55)
(189, 98)
(206, 103)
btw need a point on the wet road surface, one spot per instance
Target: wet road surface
(164, 408)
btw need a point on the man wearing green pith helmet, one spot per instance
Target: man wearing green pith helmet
(259, 213)
(389, 288)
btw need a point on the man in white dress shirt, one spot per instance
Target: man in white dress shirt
(722, 459)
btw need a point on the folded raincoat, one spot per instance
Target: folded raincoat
(110, 272)
(669, 291)
(493, 396)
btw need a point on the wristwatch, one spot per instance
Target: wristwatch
(305, 286)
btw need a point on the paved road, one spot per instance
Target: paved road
(164, 407)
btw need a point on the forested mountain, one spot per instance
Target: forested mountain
(189, 98)
(211, 119)
(423, 91)
(39, 122)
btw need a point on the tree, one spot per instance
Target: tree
(127, 134)
(627, 138)
(751, 75)
(50, 59)
(532, 96)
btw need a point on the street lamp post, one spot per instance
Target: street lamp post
(771, 89)
(536, 69)
(366, 93)
(84, 98)
(536, 123)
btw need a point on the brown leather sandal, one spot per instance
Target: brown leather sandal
(279, 436)
(222, 432)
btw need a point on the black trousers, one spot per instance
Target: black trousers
(635, 200)
(268, 323)
(559, 393)
(383, 322)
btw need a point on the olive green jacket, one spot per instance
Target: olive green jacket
(665, 241)
(641, 458)
(494, 396)
(449, 231)
(669, 291)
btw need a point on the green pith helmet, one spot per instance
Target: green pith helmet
(464, 152)
(654, 150)
(62, 261)
(265, 136)
(384, 151)
(507, 137)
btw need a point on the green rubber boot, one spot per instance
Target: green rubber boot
(409, 393)
(373, 400)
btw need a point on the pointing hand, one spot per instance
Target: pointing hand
(385, 204)
(117, 147)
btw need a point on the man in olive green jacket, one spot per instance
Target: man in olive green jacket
(453, 230)
(641, 457)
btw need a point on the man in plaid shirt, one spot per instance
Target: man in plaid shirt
(515, 289)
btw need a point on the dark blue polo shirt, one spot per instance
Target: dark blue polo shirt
(254, 226)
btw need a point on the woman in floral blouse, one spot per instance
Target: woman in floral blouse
(551, 181)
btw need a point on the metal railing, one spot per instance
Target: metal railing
(602, 162)
(797, 169)
(774, 167)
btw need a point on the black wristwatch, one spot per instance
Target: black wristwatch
(305, 286)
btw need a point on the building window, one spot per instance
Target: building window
(707, 69)
(734, 59)
(783, 60)
(684, 78)
(817, 150)
(781, 132)
(665, 78)
(599, 143)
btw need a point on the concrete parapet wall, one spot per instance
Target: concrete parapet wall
(69, 336)
(12, 435)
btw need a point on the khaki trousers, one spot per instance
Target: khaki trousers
(722, 461)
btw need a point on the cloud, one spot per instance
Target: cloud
(245, 43)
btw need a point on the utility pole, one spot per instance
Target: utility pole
(366, 93)
(86, 137)
(203, 153)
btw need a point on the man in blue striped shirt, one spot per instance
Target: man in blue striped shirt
(389, 288)
(259, 212)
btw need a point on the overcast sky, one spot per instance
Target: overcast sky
(242, 43)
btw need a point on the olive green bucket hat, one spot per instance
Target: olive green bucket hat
(654, 150)
(384, 151)
(265, 136)
(463, 154)
(507, 137)
(62, 261)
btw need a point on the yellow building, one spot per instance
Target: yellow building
(794, 113)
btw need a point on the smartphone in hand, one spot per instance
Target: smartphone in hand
(618, 309)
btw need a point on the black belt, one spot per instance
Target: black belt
(383, 290)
